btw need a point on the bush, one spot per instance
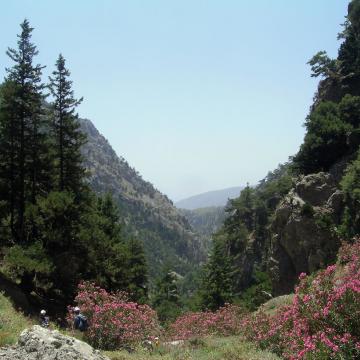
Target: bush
(258, 293)
(114, 321)
(225, 321)
(323, 320)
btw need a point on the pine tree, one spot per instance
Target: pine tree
(66, 128)
(9, 144)
(110, 215)
(166, 299)
(24, 135)
(217, 284)
(120, 262)
(137, 268)
(349, 52)
(242, 209)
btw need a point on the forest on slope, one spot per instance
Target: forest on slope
(294, 220)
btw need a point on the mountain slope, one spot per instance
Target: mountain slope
(148, 214)
(205, 221)
(209, 199)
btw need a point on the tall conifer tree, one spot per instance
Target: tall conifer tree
(68, 137)
(217, 284)
(24, 139)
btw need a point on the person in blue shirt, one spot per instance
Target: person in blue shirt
(80, 320)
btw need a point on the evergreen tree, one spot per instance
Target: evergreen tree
(217, 285)
(325, 140)
(8, 160)
(242, 209)
(110, 214)
(166, 299)
(349, 52)
(137, 268)
(68, 137)
(24, 135)
(119, 263)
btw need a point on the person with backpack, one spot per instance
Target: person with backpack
(44, 320)
(80, 320)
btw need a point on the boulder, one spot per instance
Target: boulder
(38, 343)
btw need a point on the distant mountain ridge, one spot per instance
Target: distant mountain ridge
(210, 198)
(148, 214)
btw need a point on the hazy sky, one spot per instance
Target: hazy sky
(196, 95)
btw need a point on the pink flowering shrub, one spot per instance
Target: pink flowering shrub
(323, 322)
(114, 321)
(225, 321)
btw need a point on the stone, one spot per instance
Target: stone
(38, 343)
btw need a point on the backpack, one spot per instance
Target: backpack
(44, 321)
(83, 322)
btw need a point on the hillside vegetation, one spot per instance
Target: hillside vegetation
(293, 221)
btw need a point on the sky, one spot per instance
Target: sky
(196, 95)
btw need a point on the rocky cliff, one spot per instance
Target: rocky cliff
(292, 228)
(303, 237)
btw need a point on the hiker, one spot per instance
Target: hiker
(80, 320)
(151, 344)
(44, 320)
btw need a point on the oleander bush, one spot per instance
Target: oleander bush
(114, 321)
(225, 321)
(323, 320)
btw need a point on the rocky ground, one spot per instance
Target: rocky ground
(38, 343)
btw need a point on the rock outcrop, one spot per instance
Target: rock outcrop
(302, 238)
(38, 343)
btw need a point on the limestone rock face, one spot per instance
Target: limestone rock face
(302, 239)
(38, 343)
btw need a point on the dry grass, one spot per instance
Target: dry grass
(272, 305)
(225, 348)
(11, 322)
